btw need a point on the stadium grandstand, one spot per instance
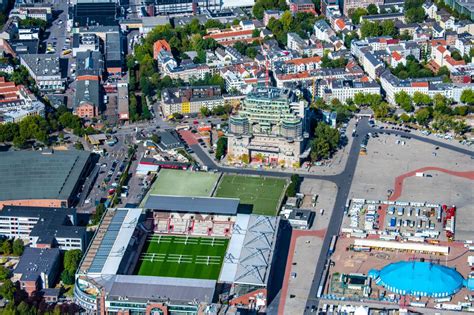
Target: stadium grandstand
(249, 259)
(200, 216)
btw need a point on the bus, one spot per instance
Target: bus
(182, 127)
(333, 245)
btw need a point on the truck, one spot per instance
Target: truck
(333, 245)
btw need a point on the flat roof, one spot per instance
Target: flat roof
(226, 206)
(110, 242)
(162, 288)
(418, 247)
(40, 175)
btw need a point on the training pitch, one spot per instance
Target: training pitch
(183, 257)
(258, 195)
(184, 183)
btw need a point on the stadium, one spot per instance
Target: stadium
(130, 265)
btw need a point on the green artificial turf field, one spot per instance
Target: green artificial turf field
(183, 257)
(184, 183)
(258, 195)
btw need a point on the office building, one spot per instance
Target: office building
(43, 227)
(270, 124)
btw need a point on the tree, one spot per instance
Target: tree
(388, 28)
(404, 101)
(467, 97)
(205, 112)
(25, 309)
(99, 211)
(221, 147)
(421, 99)
(405, 118)
(414, 12)
(381, 110)
(325, 142)
(440, 104)
(155, 138)
(18, 247)
(8, 289)
(293, 186)
(71, 260)
(423, 116)
(456, 55)
(356, 14)
(7, 247)
(78, 146)
(372, 9)
(4, 273)
(67, 277)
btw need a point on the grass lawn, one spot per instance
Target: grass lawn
(182, 257)
(184, 183)
(258, 195)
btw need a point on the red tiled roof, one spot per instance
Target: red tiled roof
(419, 84)
(301, 61)
(159, 45)
(441, 49)
(229, 34)
(340, 23)
(87, 77)
(396, 56)
(454, 62)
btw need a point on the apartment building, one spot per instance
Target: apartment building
(429, 86)
(17, 103)
(190, 100)
(347, 89)
(348, 6)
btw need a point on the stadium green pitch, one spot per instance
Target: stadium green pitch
(183, 257)
(258, 195)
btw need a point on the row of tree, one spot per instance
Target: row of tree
(436, 111)
(325, 142)
(71, 261)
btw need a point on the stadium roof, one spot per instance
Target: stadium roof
(419, 279)
(252, 266)
(110, 242)
(40, 175)
(226, 206)
(162, 288)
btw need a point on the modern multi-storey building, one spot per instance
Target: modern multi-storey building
(270, 126)
(43, 227)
